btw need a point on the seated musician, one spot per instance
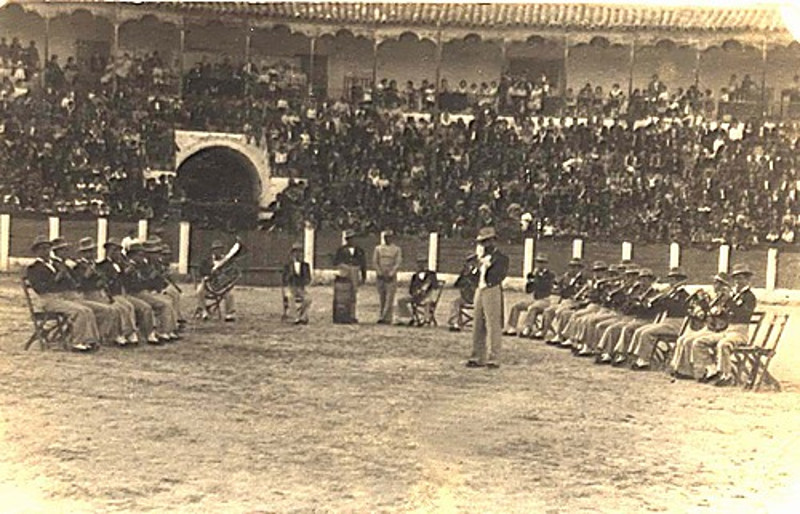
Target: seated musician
(700, 305)
(673, 303)
(641, 311)
(615, 299)
(420, 291)
(208, 267)
(51, 286)
(538, 284)
(587, 301)
(296, 276)
(141, 279)
(92, 284)
(568, 285)
(108, 321)
(583, 331)
(113, 268)
(736, 313)
(171, 289)
(466, 283)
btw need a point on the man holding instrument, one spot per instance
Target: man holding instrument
(208, 266)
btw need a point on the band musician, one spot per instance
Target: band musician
(296, 276)
(466, 283)
(420, 291)
(538, 284)
(208, 267)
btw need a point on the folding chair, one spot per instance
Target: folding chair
(751, 363)
(49, 328)
(213, 299)
(425, 314)
(467, 314)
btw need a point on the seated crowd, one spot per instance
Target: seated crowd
(67, 150)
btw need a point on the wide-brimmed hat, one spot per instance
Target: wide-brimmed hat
(58, 243)
(676, 273)
(540, 257)
(388, 233)
(296, 246)
(40, 240)
(599, 266)
(631, 270)
(113, 241)
(576, 261)
(166, 250)
(349, 233)
(485, 234)
(217, 244)
(135, 247)
(86, 244)
(646, 273)
(741, 269)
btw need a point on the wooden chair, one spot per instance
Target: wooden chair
(425, 314)
(213, 299)
(467, 314)
(751, 363)
(49, 328)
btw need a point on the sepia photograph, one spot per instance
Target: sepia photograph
(419, 256)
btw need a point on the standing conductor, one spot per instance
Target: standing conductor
(488, 324)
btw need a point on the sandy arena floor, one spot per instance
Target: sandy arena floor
(260, 416)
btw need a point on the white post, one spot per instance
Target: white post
(577, 248)
(627, 251)
(433, 251)
(54, 225)
(183, 247)
(724, 258)
(142, 231)
(308, 246)
(102, 237)
(5, 240)
(772, 268)
(674, 255)
(527, 261)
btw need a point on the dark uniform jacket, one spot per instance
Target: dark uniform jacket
(497, 270)
(421, 283)
(290, 278)
(352, 256)
(113, 273)
(467, 282)
(42, 277)
(539, 283)
(569, 284)
(88, 277)
(741, 307)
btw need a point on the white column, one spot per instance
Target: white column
(433, 251)
(627, 251)
(772, 268)
(5, 240)
(527, 261)
(674, 255)
(54, 225)
(183, 247)
(577, 248)
(724, 258)
(102, 237)
(142, 231)
(308, 246)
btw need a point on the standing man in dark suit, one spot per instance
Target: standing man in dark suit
(488, 328)
(296, 276)
(352, 265)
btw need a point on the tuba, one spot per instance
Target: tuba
(225, 274)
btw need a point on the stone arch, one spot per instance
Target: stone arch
(247, 162)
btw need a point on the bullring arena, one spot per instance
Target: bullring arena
(611, 133)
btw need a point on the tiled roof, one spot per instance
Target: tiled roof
(539, 15)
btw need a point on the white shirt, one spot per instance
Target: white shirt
(484, 266)
(296, 265)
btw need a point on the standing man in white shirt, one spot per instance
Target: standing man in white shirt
(487, 330)
(296, 276)
(386, 258)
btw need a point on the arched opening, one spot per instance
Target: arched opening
(221, 187)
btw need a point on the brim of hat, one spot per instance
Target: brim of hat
(58, 247)
(42, 243)
(485, 238)
(748, 273)
(85, 248)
